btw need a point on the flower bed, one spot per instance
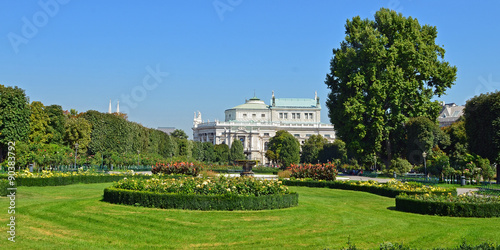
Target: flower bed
(184, 168)
(448, 205)
(49, 178)
(241, 193)
(316, 172)
(389, 189)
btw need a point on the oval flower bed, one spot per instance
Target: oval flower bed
(221, 193)
(389, 189)
(448, 205)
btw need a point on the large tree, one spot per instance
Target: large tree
(311, 148)
(386, 71)
(482, 125)
(14, 117)
(285, 147)
(40, 132)
(236, 151)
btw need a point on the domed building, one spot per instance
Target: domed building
(254, 123)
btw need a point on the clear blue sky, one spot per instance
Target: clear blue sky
(81, 54)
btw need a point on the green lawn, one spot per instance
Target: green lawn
(74, 217)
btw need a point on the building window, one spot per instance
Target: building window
(296, 135)
(306, 116)
(298, 115)
(285, 115)
(263, 115)
(293, 115)
(244, 115)
(327, 136)
(266, 134)
(254, 115)
(229, 115)
(310, 115)
(266, 145)
(281, 115)
(308, 135)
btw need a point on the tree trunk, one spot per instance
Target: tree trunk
(388, 153)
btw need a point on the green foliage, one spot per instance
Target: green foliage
(57, 119)
(437, 163)
(39, 124)
(200, 202)
(448, 205)
(77, 130)
(14, 117)
(482, 125)
(4, 184)
(236, 151)
(179, 134)
(422, 136)
(221, 153)
(311, 148)
(398, 165)
(386, 71)
(285, 147)
(332, 151)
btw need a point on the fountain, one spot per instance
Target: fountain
(247, 166)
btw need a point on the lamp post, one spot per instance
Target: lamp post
(375, 161)
(76, 152)
(424, 154)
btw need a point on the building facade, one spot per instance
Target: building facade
(255, 122)
(450, 113)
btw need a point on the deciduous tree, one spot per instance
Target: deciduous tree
(386, 71)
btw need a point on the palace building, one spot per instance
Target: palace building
(255, 122)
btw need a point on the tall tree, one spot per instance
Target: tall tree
(482, 125)
(236, 151)
(77, 130)
(39, 124)
(14, 117)
(311, 148)
(332, 151)
(285, 147)
(386, 71)
(221, 153)
(57, 119)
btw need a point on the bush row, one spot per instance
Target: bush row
(375, 189)
(4, 184)
(199, 202)
(445, 208)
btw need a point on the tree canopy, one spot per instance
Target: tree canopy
(385, 71)
(482, 125)
(285, 148)
(236, 151)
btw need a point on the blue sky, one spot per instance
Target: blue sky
(164, 60)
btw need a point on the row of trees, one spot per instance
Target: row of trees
(48, 135)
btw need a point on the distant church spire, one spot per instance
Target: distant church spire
(109, 109)
(118, 107)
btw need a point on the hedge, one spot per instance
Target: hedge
(75, 179)
(455, 209)
(383, 191)
(4, 184)
(199, 202)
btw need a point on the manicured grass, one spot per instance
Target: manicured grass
(73, 217)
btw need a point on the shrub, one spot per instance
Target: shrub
(448, 205)
(284, 174)
(185, 168)
(316, 172)
(400, 166)
(4, 184)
